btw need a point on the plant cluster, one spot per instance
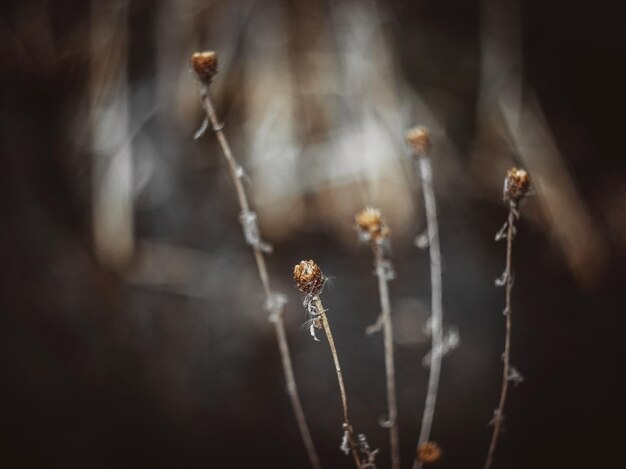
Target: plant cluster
(372, 229)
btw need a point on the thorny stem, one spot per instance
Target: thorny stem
(385, 305)
(499, 414)
(276, 309)
(425, 173)
(342, 388)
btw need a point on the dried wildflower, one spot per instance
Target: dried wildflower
(515, 188)
(204, 65)
(371, 228)
(309, 278)
(429, 452)
(418, 139)
(516, 185)
(370, 225)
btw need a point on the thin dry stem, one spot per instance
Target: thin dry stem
(342, 388)
(499, 414)
(425, 173)
(385, 305)
(276, 309)
(292, 391)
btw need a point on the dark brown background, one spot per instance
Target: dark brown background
(97, 372)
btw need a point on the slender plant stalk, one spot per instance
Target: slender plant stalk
(292, 391)
(342, 390)
(499, 414)
(275, 306)
(425, 174)
(371, 227)
(516, 186)
(385, 305)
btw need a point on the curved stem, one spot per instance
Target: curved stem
(342, 388)
(499, 415)
(385, 305)
(275, 307)
(425, 173)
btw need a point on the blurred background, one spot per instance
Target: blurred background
(132, 327)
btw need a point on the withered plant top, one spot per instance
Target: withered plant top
(309, 278)
(418, 139)
(370, 224)
(516, 185)
(429, 452)
(204, 65)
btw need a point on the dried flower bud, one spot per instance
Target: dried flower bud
(370, 224)
(309, 278)
(516, 185)
(418, 139)
(204, 65)
(429, 452)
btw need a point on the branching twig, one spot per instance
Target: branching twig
(372, 229)
(515, 188)
(204, 65)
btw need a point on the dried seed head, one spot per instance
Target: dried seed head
(204, 65)
(429, 452)
(418, 139)
(516, 185)
(370, 224)
(309, 278)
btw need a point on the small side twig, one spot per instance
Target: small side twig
(515, 188)
(204, 65)
(310, 280)
(419, 141)
(372, 229)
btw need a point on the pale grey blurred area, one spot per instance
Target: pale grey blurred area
(321, 107)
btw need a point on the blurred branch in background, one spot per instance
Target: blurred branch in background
(567, 216)
(510, 114)
(112, 169)
(322, 110)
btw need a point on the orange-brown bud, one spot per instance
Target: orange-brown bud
(370, 223)
(204, 65)
(418, 139)
(309, 278)
(429, 452)
(516, 185)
